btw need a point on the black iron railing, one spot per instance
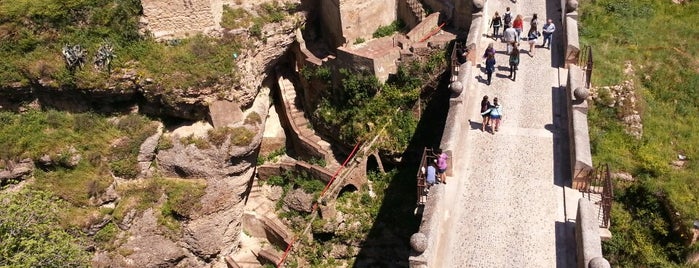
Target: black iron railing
(599, 189)
(427, 155)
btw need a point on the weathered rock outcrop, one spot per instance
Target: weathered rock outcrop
(16, 171)
(147, 247)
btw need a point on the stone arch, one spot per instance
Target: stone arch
(349, 188)
(373, 163)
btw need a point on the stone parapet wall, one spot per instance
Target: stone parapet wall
(580, 152)
(429, 227)
(587, 237)
(572, 48)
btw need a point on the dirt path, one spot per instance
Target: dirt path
(509, 202)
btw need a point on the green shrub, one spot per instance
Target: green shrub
(388, 29)
(198, 142)
(253, 118)
(29, 237)
(164, 143)
(218, 136)
(241, 136)
(359, 40)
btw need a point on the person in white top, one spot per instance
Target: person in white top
(548, 30)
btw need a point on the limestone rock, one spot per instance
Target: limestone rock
(109, 195)
(623, 176)
(16, 171)
(147, 149)
(207, 236)
(146, 245)
(299, 200)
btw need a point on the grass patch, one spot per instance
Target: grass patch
(648, 34)
(388, 30)
(241, 136)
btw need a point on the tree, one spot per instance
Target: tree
(30, 235)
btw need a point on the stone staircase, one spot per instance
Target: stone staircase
(416, 8)
(311, 144)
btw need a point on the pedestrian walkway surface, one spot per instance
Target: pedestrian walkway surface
(508, 200)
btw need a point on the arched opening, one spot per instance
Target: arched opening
(372, 165)
(349, 188)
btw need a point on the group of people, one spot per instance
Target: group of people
(491, 113)
(512, 36)
(437, 175)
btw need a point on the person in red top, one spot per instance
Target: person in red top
(518, 24)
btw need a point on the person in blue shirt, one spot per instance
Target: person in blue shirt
(431, 174)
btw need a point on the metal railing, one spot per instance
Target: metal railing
(599, 189)
(585, 62)
(427, 155)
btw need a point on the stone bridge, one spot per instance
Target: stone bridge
(509, 200)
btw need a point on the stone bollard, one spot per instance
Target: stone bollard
(478, 5)
(456, 87)
(581, 93)
(418, 241)
(599, 262)
(571, 5)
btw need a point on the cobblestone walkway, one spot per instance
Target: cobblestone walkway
(509, 208)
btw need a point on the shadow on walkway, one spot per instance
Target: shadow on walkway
(387, 244)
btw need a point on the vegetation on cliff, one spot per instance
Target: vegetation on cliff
(32, 34)
(653, 215)
(369, 105)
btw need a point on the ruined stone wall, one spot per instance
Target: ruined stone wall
(360, 18)
(177, 18)
(331, 26)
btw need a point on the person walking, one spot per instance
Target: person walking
(495, 115)
(518, 24)
(531, 38)
(548, 30)
(496, 22)
(507, 18)
(510, 37)
(485, 105)
(534, 23)
(490, 66)
(514, 62)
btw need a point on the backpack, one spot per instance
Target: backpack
(508, 19)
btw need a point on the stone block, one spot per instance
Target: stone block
(224, 113)
(424, 27)
(581, 157)
(572, 41)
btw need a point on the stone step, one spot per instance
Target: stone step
(324, 144)
(314, 138)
